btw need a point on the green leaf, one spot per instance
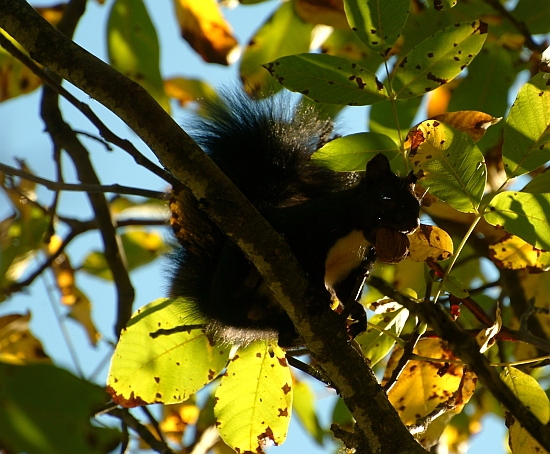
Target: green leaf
(533, 14)
(455, 287)
(284, 33)
(351, 153)
(133, 47)
(530, 393)
(541, 183)
(46, 410)
(452, 167)
(374, 343)
(523, 214)
(329, 79)
(382, 117)
(165, 368)
(304, 408)
(254, 399)
(527, 129)
(378, 23)
(438, 59)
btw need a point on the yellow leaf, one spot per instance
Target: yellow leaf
(204, 28)
(17, 343)
(429, 242)
(438, 101)
(472, 122)
(15, 78)
(52, 14)
(515, 254)
(421, 387)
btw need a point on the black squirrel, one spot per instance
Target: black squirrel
(328, 218)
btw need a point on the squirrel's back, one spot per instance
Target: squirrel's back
(265, 147)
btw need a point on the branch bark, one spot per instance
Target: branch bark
(378, 425)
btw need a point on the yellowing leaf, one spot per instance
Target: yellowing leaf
(421, 387)
(15, 78)
(254, 399)
(471, 122)
(17, 343)
(515, 254)
(52, 14)
(449, 164)
(188, 90)
(486, 337)
(177, 417)
(429, 242)
(527, 389)
(204, 28)
(149, 366)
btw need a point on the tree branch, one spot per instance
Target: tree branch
(230, 210)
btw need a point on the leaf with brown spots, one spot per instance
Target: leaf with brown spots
(15, 78)
(449, 163)
(515, 254)
(254, 399)
(421, 387)
(284, 33)
(429, 242)
(472, 122)
(328, 79)
(438, 59)
(163, 367)
(378, 23)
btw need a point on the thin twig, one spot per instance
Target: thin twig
(83, 187)
(105, 132)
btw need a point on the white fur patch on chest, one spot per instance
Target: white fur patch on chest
(346, 255)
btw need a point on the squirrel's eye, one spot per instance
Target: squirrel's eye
(387, 194)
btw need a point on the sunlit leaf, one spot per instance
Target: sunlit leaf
(439, 5)
(376, 344)
(254, 398)
(17, 342)
(541, 183)
(527, 128)
(325, 78)
(149, 366)
(421, 387)
(204, 28)
(528, 390)
(429, 242)
(451, 165)
(46, 410)
(304, 408)
(515, 254)
(438, 59)
(133, 47)
(284, 33)
(523, 214)
(378, 23)
(351, 153)
(473, 123)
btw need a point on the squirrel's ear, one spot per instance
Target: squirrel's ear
(378, 167)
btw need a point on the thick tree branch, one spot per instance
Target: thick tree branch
(378, 425)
